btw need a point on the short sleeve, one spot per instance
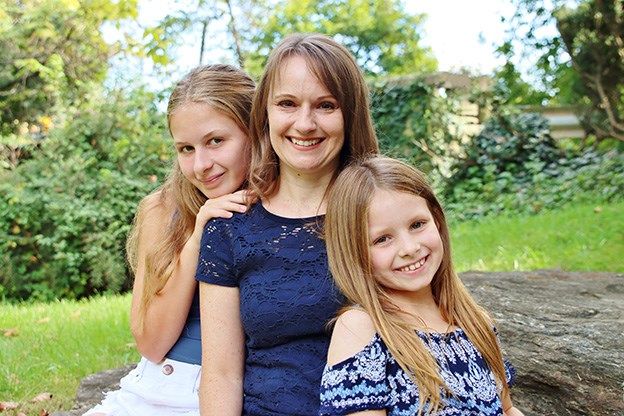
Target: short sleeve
(216, 257)
(359, 383)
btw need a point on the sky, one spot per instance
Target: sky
(461, 33)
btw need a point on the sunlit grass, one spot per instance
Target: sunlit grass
(580, 237)
(51, 347)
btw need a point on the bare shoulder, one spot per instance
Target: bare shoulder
(354, 329)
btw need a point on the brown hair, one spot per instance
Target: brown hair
(335, 67)
(348, 250)
(226, 89)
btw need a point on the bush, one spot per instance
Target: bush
(515, 166)
(65, 213)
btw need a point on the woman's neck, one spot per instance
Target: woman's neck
(299, 196)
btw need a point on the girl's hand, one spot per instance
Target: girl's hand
(222, 207)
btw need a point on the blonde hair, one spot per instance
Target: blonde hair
(334, 67)
(226, 89)
(346, 233)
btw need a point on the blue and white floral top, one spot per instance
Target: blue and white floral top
(372, 380)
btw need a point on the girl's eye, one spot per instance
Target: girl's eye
(215, 140)
(185, 149)
(380, 240)
(418, 224)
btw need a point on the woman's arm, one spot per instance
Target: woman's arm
(167, 311)
(223, 351)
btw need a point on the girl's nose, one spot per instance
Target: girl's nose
(409, 246)
(203, 161)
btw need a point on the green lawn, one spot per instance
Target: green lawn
(51, 347)
(580, 237)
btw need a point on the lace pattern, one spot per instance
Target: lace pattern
(287, 297)
(372, 380)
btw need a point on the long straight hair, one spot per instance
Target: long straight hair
(336, 69)
(348, 250)
(228, 90)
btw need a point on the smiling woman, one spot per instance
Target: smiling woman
(265, 290)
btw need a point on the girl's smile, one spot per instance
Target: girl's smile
(405, 244)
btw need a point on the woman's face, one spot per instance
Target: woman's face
(306, 125)
(212, 150)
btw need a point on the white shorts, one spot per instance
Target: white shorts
(168, 388)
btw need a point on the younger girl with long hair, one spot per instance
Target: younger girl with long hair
(208, 118)
(413, 340)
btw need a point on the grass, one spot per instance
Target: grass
(51, 347)
(58, 344)
(578, 237)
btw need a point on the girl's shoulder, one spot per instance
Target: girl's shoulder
(353, 331)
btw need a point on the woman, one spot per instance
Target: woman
(266, 290)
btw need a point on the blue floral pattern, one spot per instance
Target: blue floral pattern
(372, 380)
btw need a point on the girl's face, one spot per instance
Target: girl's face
(405, 244)
(306, 125)
(212, 150)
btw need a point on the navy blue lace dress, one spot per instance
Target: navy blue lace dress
(287, 297)
(372, 380)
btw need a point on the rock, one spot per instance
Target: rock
(564, 333)
(92, 389)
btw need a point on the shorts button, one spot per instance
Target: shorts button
(167, 369)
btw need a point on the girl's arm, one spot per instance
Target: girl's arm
(167, 311)
(352, 332)
(508, 407)
(223, 351)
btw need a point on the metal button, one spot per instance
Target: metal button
(167, 369)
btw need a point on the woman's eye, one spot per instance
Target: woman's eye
(215, 140)
(286, 103)
(328, 106)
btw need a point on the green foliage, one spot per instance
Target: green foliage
(514, 166)
(582, 63)
(51, 52)
(382, 36)
(65, 213)
(414, 122)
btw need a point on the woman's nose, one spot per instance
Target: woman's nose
(305, 122)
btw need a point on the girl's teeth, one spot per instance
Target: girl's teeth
(414, 266)
(305, 143)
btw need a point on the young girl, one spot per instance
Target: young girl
(208, 118)
(413, 341)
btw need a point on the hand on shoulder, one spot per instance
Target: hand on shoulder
(353, 330)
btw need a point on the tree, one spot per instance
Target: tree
(581, 62)
(383, 37)
(50, 52)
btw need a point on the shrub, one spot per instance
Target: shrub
(65, 213)
(515, 166)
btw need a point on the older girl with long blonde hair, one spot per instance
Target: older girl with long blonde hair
(208, 118)
(412, 341)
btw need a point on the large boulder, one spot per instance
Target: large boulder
(563, 331)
